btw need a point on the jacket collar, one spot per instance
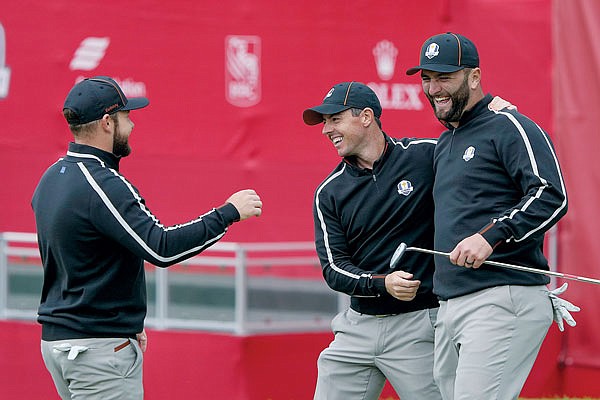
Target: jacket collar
(377, 165)
(83, 151)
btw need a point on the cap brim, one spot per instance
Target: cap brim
(314, 115)
(135, 102)
(433, 67)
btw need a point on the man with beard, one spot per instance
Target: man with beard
(94, 234)
(498, 188)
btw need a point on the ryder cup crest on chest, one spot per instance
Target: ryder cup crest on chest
(469, 154)
(405, 187)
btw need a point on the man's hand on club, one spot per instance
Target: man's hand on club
(471, 252)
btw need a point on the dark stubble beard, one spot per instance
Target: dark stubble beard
(121, 146)
(459, 99)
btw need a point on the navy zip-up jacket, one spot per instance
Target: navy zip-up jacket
(362, 215)
(94, 233)
(496, 174)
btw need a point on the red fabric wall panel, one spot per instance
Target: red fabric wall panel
(576, 30)
(200, 365)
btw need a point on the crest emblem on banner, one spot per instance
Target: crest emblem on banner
(385, 59)
(405, 187)
(242, 70)
(4, 70)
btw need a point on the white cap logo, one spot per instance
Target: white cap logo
(329, 93)
(432, 50)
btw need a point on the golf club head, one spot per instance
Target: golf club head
(397, 255)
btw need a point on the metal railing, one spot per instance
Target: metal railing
(241, 288)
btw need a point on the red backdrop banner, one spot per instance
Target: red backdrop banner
(228, 82)
(576, 29)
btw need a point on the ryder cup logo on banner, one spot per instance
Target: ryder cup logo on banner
(393, 95)
(242, 70)
(4, 70)
(405, 187)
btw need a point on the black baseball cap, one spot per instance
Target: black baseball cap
(341, 97)
(446, 52)
(93, 97)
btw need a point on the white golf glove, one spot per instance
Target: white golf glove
(561, 307)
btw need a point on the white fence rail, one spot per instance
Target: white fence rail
(241, 288)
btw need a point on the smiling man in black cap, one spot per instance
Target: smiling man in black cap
(94, 233)
(378, 196)
(498, 189)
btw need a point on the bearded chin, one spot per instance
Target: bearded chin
(121, 149)
(454, 114)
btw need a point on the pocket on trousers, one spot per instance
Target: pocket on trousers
(127, 359)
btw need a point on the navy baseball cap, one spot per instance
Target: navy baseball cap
(446, 52)
(93, 97)
(341, 97)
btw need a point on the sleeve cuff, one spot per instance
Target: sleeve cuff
(378, 282)
(492, 234)
(230, 213)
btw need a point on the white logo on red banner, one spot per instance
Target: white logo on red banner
(393, 96)
(385, 59)
(4, 70)
(89, 53)
(242, 70)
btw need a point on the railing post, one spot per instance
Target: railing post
(553, 253)
(3, 276)
(241, 291)
(162, 297)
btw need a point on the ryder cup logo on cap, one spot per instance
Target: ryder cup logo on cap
(432, 50)
(341, 97)
(446, 52)
(92, 98)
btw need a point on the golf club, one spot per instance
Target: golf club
(403, 248)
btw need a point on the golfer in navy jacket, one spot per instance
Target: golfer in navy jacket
(94, 234)
(498, 188)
